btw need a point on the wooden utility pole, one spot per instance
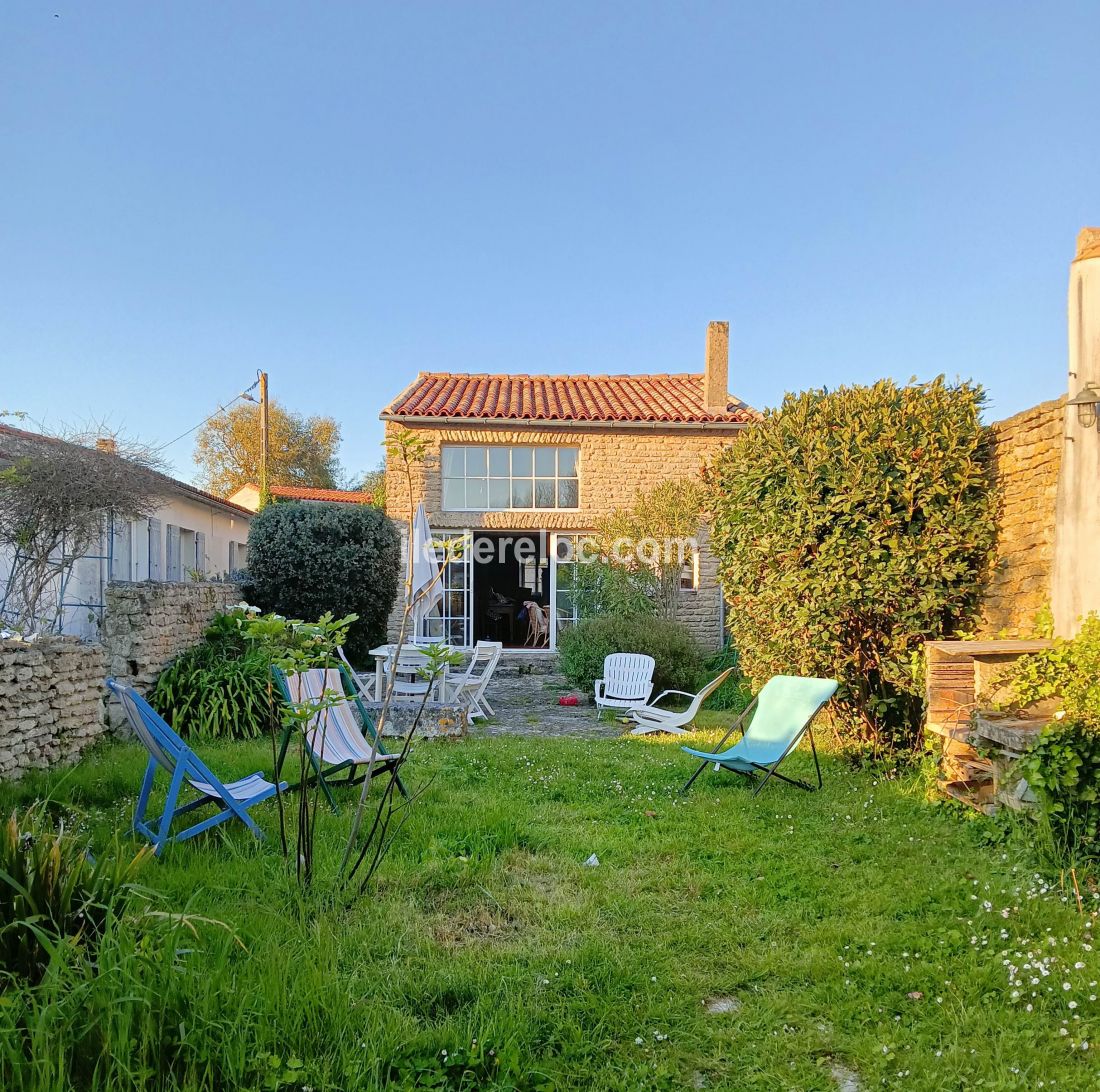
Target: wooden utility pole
(265, 440)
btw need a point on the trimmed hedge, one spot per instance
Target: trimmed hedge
(850, 527)
(307, 559)
(677, 655)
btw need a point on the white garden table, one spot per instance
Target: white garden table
(383, 654)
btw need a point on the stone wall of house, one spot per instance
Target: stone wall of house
(1027, 460)
(148, 625)
(51, 702)
(615, 463)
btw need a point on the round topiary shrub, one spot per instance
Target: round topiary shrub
(678, 658)
(306, 559)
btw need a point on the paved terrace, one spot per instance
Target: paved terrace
(524, 693)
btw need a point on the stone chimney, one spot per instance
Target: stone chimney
(1075, 582)
(716, 380)
(107, 444)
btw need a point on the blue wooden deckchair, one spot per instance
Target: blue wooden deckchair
(334, 736)
(168, 752)
(784, 709)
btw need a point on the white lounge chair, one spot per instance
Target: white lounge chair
(651, 719)
(470, 687)
(627, 681)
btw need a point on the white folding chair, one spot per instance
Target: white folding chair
(470, 688)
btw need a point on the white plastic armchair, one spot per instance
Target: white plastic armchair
(651, 719)
(627, 681)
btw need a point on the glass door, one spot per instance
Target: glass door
(451, 619)
(566, 583)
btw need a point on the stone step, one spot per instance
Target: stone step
(542, 664)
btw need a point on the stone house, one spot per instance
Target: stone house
(522, 466)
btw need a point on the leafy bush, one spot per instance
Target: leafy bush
(850, 527)
(1063, 770)
(1069, 671)
(735, 693)
(218, 687)
(52, 893)
(306, 560)
(222, 687)
(1063, 767)
(678, 659)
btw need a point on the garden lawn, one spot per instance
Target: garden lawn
(858, 937)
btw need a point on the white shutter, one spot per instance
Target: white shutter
(173, 550)
(155, 568)
(120, 550)
(200, 553)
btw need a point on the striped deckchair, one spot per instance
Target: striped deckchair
(335, 739)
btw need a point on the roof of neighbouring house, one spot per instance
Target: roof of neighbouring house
(672, 399)
(170, 483)
(308, 493)
(249, 495)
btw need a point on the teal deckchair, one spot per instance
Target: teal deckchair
(784, 709)
(335, 738)
(169, 753)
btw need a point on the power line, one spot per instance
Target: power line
(220, 409)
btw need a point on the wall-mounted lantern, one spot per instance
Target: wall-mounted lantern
(1086, 403)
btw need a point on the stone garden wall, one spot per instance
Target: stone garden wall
(148, 625)
(1027, 460)
(51, 702)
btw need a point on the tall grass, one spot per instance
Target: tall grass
(837, 924)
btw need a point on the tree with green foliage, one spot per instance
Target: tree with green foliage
(305, 560)
(302, 450)
(643, 548)
(850, 527)
(374, 483)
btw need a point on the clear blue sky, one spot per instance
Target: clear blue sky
(345, 194)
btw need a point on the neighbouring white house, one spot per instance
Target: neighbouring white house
(192, 536)
(248, 496)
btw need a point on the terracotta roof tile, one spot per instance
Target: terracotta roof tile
(649, 398)
(308, 493)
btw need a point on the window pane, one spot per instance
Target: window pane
(544, 492)
(498, 462)
(544, 461)
(521, 493)
(521, 462)
(454, 493)
(454, 462)
(475, 462)
(456, 634)
(568, 493)
(475, 493)
(567, 462)
(456, 575)
(500, 493)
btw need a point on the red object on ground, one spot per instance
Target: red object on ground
(567, 699)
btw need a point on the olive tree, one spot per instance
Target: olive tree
(851, 526)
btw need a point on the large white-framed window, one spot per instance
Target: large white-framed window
(504, 477)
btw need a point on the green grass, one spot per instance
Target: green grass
(857, 933)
